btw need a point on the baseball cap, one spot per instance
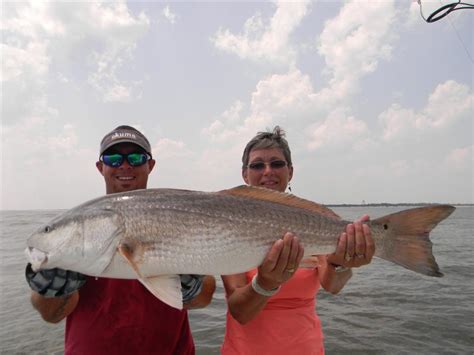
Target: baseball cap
(124, 134)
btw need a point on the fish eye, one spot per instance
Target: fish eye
(47, 229)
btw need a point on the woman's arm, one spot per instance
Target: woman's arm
(244, 301)
(355, 249)
(333, 278)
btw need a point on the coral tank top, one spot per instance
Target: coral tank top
(287, 325)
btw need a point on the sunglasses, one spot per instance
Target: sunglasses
(117, 159)
(275, 164)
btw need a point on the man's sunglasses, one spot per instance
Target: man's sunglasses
(275, 164)
(117, 159)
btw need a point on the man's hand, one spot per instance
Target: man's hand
(197, 290)
(191, 286)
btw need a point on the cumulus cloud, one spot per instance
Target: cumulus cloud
(41, 160)
(103, 35)
(352, 44)
(27, 138)
(355, 41)
(266, 40)
(277, 99)
(65, 142)
(290, 100)
(169, 15)
(227, 126)
(45, 43)
(397, 121)
(449, 102)
(281, 94)
(167, 148)
(31, 60)
(338, 130)
(461, 158)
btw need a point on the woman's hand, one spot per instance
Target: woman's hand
(281, 262)
(355, 247)
(279, 265)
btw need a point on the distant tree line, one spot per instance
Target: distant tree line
(385, 204)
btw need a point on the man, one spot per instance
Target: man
(110, 315)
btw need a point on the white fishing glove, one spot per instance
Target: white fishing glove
(54, 282)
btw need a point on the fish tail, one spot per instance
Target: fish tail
(407, 241)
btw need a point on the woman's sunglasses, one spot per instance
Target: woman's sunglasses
(116, 159)
(275, 164)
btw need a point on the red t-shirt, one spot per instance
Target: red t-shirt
(122, 317)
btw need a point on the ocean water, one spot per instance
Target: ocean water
(384, 309)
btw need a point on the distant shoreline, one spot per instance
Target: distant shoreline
(384, 204)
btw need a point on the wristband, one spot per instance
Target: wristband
(261, 291)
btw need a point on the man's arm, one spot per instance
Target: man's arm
(204, 297)
(54, 292)
(55, 309)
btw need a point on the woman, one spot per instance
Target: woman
(271, 310)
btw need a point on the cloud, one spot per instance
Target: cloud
(97, 37)
(65, 142)
(290, 99)
(269, 41)
(338, 130)
(448, 103)
(31, 60)
(354, 42)
(461, 158)
(167, 148)
(226, 127)
(397, 121)
(277, 99)
(169, 15)
(44, 160)
(27, 138)
(281, 94)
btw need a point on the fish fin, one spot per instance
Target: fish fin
(167, 288)
(282, 198)
(408, 243)
(127, 252)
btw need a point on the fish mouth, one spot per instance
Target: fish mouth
(36, 257)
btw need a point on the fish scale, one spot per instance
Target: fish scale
(198, 242)
(146, 233)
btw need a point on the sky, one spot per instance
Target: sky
(376, 103)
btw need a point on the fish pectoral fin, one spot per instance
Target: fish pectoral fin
(127, 253)
(167, 288)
